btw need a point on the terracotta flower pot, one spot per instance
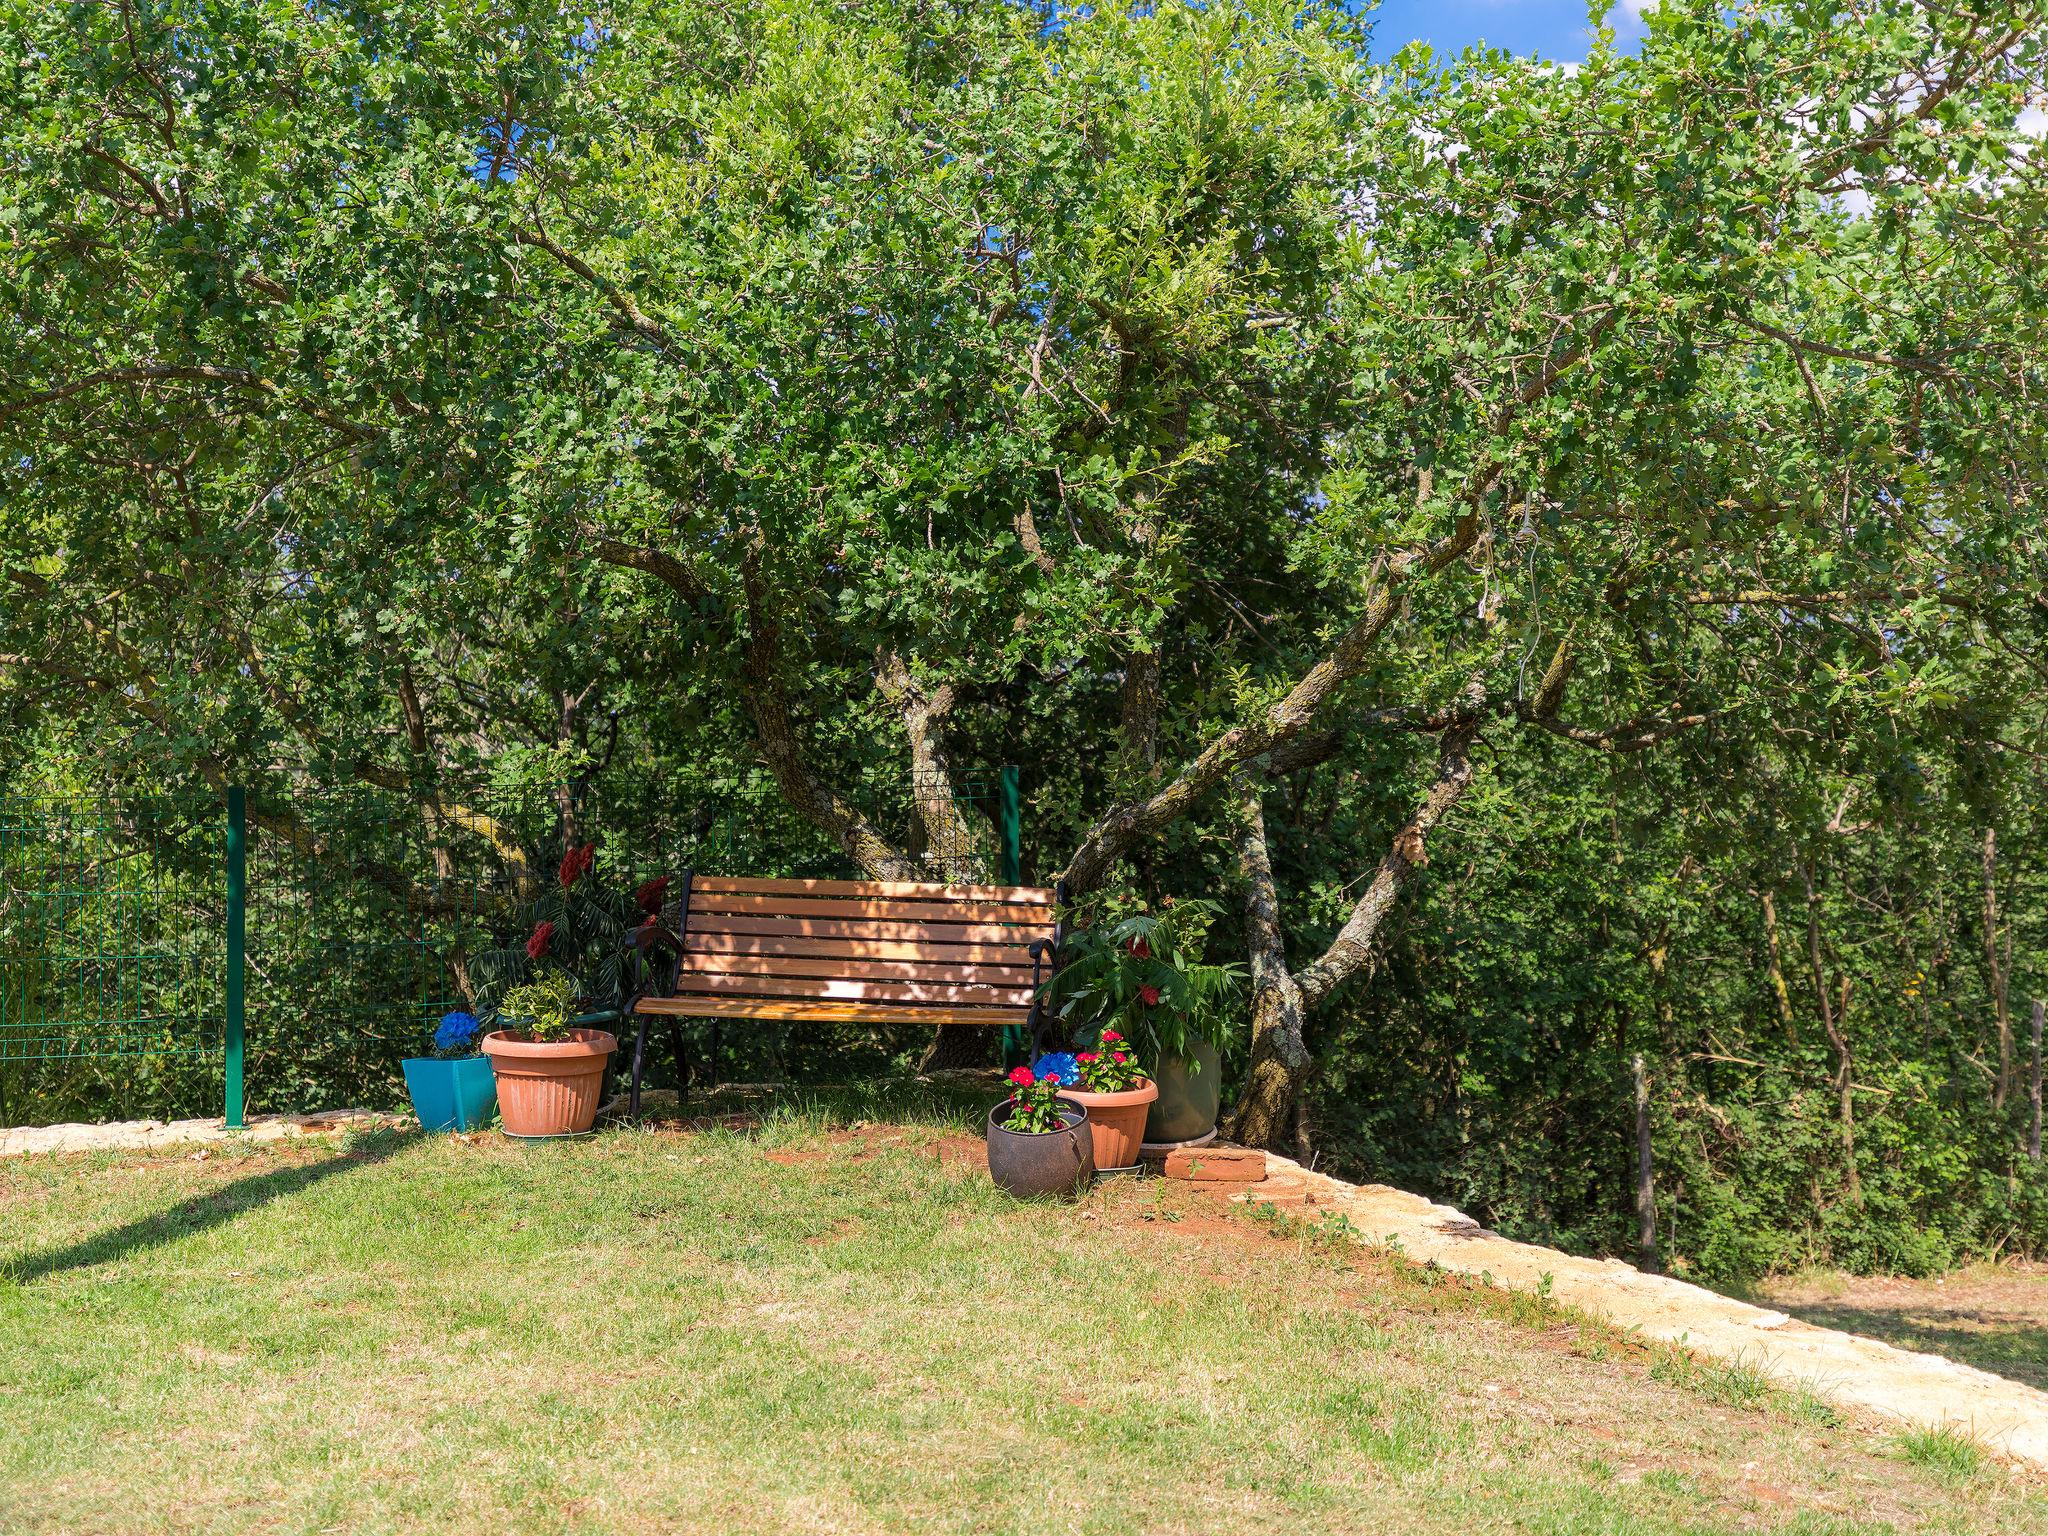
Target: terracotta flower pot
(1051, 1163)
(551, 1087)
(1117, 1122)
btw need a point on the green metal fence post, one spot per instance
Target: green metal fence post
(238, 894)
(1010, 815)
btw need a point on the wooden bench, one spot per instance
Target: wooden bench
(854, 952)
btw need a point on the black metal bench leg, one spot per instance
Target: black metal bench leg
(639, 1064)
(675, 1040)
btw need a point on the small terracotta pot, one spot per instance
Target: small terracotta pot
(1053, 1163)
(551, 1087)
(1117, 1121)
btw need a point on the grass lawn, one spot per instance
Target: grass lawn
(811, 1325)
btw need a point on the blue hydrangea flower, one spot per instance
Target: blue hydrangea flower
(1060, 1064)
(457, 1030)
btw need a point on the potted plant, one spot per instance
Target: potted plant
(549, 1070)
(452, 1090)
(550, 996)
(1038, 1140)
(1143, 975)
(1117, 1095)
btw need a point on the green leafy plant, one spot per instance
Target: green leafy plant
(1112, 1067)
(1034, 1110)
(543, 1009)
(595, 935)
(1143, 976)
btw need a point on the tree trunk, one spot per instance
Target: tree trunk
(954, 846)
(1775, 969)
(2000, 999)
(2034, 1087)
(1646, 1178)
(1836, 1024)
(1353, 946)
(1268, 1111)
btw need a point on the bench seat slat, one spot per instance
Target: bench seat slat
(870, 906)
(1014, 895)
(937, 993)
(818, 1011)
(862, 969)
(807, 947)
(867, 928)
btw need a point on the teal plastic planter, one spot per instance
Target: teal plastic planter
(458, 1094)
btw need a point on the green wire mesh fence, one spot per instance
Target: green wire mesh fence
(137, 972)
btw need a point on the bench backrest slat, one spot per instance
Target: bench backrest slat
(863, 926)
(922, 890)
(895, 944)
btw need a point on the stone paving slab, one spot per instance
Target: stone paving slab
(145, 1135)
(1845, 1368)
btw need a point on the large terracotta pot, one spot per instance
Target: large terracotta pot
(1117, 1122)
(1053, 1163)
(552, 1087)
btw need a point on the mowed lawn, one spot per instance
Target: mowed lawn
(830, 1322)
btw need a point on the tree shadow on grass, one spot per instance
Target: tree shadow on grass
(2006, 1344)
(196, 1213)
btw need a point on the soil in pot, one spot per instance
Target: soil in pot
(1053, 1163)
(551, 1087)
(1116, 1122)
(1188, 1099)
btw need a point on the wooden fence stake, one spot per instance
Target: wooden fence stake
(1646, 1187)
(2034, 1089)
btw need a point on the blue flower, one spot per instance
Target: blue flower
(457, 1030)
(1060, 1064)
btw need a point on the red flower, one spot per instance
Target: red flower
(1085, 1056)
(537, 944)
(1149, 996)
(651, 895)
(1022, 1077)
(1120, 1056)
(1109, 1035)
(576, 864)
(1140, 948)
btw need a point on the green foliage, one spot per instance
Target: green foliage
(580, 928)
(759, 409)
(544, 1009)
(1143, 975)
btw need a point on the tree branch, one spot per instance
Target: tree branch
(1352, 949)
(761, 683)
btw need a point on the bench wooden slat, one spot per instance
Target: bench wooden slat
(808, 947)
(858, 952)
(1014, 895)
(939, 993)
(808, 1010)
(861, 969)
(866, 928)
(870, 906)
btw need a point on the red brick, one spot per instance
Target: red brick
(1216, 1165)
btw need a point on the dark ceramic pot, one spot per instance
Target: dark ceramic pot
(1190, 1093)
(1056, 1163)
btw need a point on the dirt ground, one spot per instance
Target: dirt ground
(1992, 1316)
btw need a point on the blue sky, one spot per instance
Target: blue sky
(1556, 29)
